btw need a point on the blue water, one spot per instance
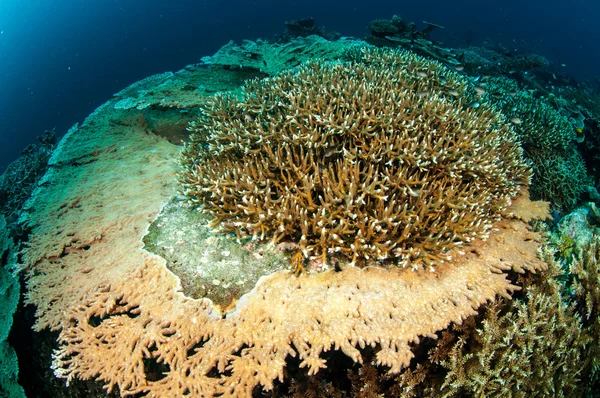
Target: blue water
(60, 59)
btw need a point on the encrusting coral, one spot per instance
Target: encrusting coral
(382, 159)
(123, 318)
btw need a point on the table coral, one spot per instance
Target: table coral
(124, 320)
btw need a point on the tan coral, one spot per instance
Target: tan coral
(375, 159)
(119, 309)
(534, 346)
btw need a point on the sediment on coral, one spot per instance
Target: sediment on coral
(384, 158)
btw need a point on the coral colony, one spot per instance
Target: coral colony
(382, 158)
(341, 221)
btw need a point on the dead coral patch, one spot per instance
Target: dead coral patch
(209, 264)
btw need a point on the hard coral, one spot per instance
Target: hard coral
(378, 158)
(20, 178)
(548, 140)
(122, 316)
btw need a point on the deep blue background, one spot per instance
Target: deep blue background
(60, 59)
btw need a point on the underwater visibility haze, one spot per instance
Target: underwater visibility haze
(292, 199)
(62, 59)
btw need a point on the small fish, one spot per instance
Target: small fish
(497, 94)
(516, 120)
(514, 109)
(459, 68)
(475, 105)
(421, 74)
(512, 93)
(453, 92)
(563, 65)
(579, 130)
(479, 90)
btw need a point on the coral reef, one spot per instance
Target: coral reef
(305, 27)
(20, 177)
(381, 28)
(585, 269)
(396, 32)
(560, 177)
(353, 158)
(271, 59)
(480, 60)
(123, 319)
(167, 102)
(548, 140)
(542, 342)
(582, 103)
(9, 298)
(507, 355)
(141, 296)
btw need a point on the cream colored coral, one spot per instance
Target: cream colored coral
(117, 307)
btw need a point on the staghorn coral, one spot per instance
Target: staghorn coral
(548, 140)
(533, 350)
(499, 61)
(540, 126)
(376, 159)
(585, 270)
(543, 342)
(540, 344)
(537, 344)
(124, 320)
(560, 176)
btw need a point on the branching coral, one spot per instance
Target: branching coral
(543, 343)
(381, 159)
(548, 139)
(535, 345)
(533, 349)
(585, 269)
(560, 176)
